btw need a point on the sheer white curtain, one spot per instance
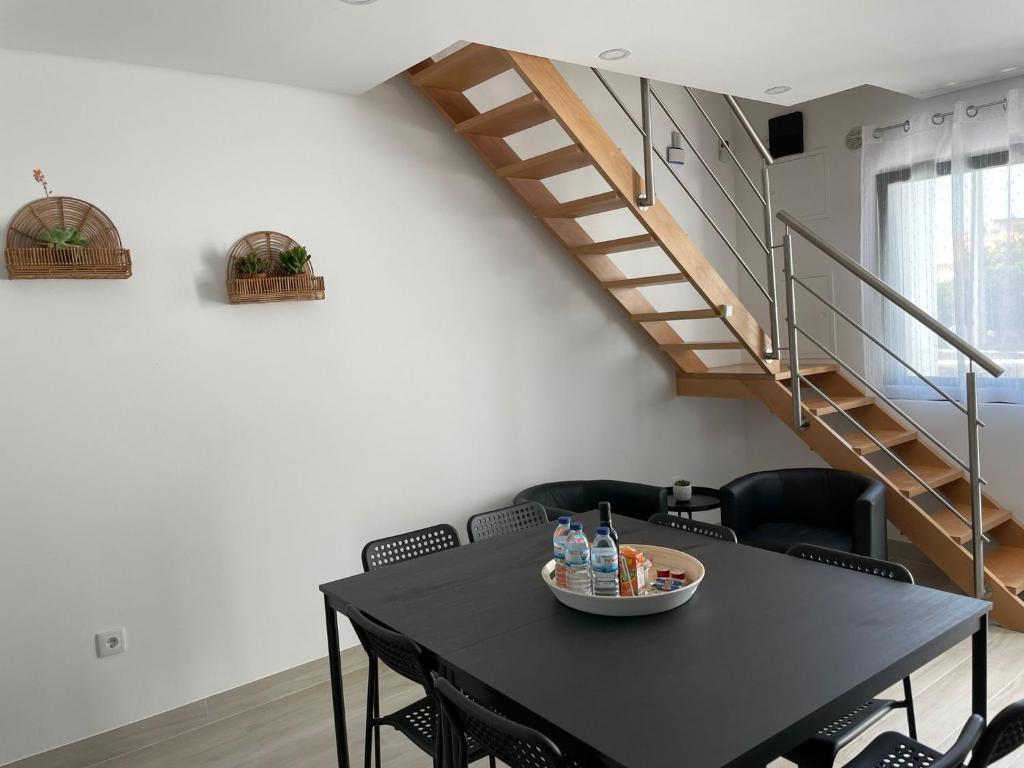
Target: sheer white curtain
(942, 221)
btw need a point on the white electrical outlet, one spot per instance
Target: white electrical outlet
(110, 642)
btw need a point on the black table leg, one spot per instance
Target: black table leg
(979, 669)
(446, 753)
(337, 693)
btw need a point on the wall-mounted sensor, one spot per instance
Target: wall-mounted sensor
(675, 151)
(724, 155)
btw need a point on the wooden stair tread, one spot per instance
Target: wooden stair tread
(887, 437)
(697, 345)
(553, 163)
(820, 407)
(468, 66)
(640, 282)
(741, 371)
(1007, 563)
(513, 117)
(950, 523)
(687, 314)
(586, 206)
(618, 245)
(934, 476)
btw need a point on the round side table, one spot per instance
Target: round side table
(702, 500)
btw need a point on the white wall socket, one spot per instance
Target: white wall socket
(111, 642)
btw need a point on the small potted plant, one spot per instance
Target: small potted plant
(61, 237)
(252, 265)
(293, 261)
(682, 490)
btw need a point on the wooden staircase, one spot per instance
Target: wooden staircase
(939, 534)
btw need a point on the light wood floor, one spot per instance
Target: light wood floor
(296, 731)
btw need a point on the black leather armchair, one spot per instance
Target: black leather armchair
(570, 497)
(828, 507)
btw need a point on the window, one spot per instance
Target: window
(954, 245)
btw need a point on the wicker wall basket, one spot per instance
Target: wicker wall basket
(273, 287)
(102, 258)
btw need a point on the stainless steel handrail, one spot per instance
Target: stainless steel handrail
(974, 356)
(703, 162)
(878, 342)
(647, 199)
(693, 198)
(749, 130)
(725, 143)
(958, 343)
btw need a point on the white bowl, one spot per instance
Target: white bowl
(642, 605)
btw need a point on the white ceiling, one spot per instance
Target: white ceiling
(818, 47)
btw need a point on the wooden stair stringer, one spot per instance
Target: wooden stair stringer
(497, 153)
(583, 128)
(926, 534)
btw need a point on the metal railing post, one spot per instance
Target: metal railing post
(646, 200)
(794, 353)
(769, 241)
(974, 459)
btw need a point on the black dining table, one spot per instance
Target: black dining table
(769, 649)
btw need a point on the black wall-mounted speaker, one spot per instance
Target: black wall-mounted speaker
(786, 134)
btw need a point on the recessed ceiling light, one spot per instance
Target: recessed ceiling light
(775, 90)
(359, 2)
(1007, 70)
(614, 54)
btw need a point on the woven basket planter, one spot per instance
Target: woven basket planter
(104, 257)
(260, 290)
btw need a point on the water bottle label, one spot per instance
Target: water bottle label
(606, 561)
(576, 555)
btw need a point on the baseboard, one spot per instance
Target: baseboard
(166, 725)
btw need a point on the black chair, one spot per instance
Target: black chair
(473, 725)
(574, 497)
(987, 745)
(894, 750)
(498, 522)
(828, 507)
(1002, 736)
(417, 721)
(382, 553)
(694, 526)
(821, 749)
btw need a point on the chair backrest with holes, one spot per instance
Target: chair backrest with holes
(694, 526)
(393, 649)
(513, 744)
(408, 546)
(1002, 736)
(498, 522)
(860, 563)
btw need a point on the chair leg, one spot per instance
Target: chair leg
(908, 695)
(490, 759)
(371, 676)
(376, 712)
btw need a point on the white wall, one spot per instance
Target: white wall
(193, 470)
(826, 122)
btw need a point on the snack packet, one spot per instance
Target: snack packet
(632, 571)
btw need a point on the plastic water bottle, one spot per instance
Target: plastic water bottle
(577, 561)
(604, 562)
(561, 534)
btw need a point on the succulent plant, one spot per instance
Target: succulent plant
(62, 237)
(293, 260)
(251, 264)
